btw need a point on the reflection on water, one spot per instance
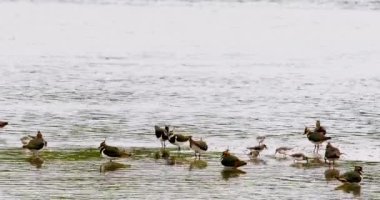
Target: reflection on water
(353, 188)
(231, 173)
(331, 174)
(35, 161)
(197, 164)
(257, 161)
(112, 166)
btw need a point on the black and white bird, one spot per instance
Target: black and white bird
(199, 146)
(35, 143)
(162, 134)
(111, 152)
(317, 138)
(179, 140)
(258, 148)
(355, 176)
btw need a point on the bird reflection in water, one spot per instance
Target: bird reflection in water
(197, 164)
(231, 173)
(112, 166)
(353, 188)
(35, 161)
(331, 174)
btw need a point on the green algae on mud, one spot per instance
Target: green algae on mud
(83, 154)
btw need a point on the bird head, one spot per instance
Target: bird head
(359, 169)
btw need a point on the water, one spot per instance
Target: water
(225, 71)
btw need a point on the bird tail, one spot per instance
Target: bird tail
(327, 138)
(240, 163)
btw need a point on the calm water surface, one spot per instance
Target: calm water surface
(223, 71)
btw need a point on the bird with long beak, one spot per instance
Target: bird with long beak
(258, 148)
(355, 176)
(317, 138)
(299, 157)
(199, 146)
(111, 152)
(230, 161)
(282, 150)
(36, 143)
(332, 153)
(3, 123)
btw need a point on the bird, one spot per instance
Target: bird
(199, 146)
(36, 143)
(316, 138)
(178, 140)
(25, 140)
(318, 128)
(3, 123)
(231, 161)
(260, 139)
(253, 154)
(162, 134)
(299, 157)
(332, 153)
(111, 152)
(258, 148)
(352, 176)
(282, 150)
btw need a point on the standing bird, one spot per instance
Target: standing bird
(2, 124)
(198, 146)
(260, 139)
(316, 138)
(111, 152)
(318, 128)
(36, 143)
(231, 161)
(299, 157)
(178, 140)
(331, 153)
(258, 148)
(162, 134)
(352, 176)
(282, 150)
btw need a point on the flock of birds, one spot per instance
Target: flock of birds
(228, 160)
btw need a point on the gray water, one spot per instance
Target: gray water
(223, 71)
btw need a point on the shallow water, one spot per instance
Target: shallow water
(222, 71)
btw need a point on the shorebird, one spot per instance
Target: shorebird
(178, 140)
(352, 176)
(162, 134)
(198, 146)
(316, 138)
(253, 154)
(3, 123)
(332, 153)
(299, 157)
(231, 161)
(111, 152)
(282, 150)
(318, 128)
(258, 148)
(36, 143)
(260, 139)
